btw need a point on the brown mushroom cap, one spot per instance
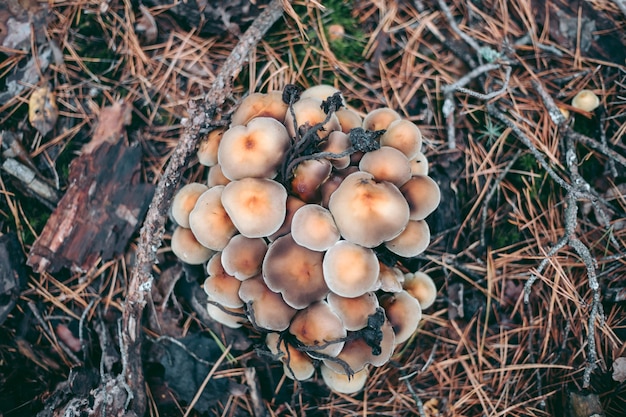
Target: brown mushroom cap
(353, 312)
(187, 248)
(308, 111)
(221, 315)
(307, 178)
(343, 383)
(380, 119)
(337, 143)
(350, 270)
(243, 256)
(413, 240)
(255, 205)
(184, 201)
(390, 279)
(404, 312)
(295, 272)
(586, 100)
(321, 92)
(293, 204)
(319, 328)
(216, 176)
(266, 309)
(209, 221)
(423, 195)
(269, 104)
(314, 228)
(419, 164)
(403, 135)
(333, 181)
(207, 148)
(255, 150)
(422, 287)
(296, 365)
(220, 286)
(387, 164)
(368, 212)
(348, 119)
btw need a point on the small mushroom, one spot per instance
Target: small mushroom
(337, 143)
(333, 182)
(242, 257)
(423, 196)
(319, 329)
(220, 286)
(293, 204)
(350, 270)
(314, 228)
(404, 312)
(342, 383)
(255, 150)
(256, 206)
(348, 119)
(380, 119)
(207, 148)
(368, 212)
(308, 112)
(216, 176)
(419, 165)
(387, 164)
(353, 312)
(321, 92)
(209, 221)
(296, 365)
(403, 135)
(184, 201)
(229, 317)
(422, 287)
(266, 309)
(390, 279)
(586, 100)
(255, 105)
(187, 248)
(308, 176)
(413, 240)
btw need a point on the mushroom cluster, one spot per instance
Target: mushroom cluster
(304, 224)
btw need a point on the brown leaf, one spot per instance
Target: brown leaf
(42, 110)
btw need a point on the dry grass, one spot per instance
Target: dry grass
(481, 350)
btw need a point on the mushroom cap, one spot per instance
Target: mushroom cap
(338, 142)
(404, 313)
(419, 164)
(308, 112)
(403, 135)
(423, 195)
(307, 178)
(184, 201)
(343, 383)
(209, 221)
(422, 287)
(216, 176)
(318, 327)
(295, 272)
(368, 212)
(221, 315)
(413, 240)
(207, 148)
(314, 228)
(586, 100)
(256, 206)
(333, 181)
(321, 92)
(350, 270)
(296, 365)
(380, 119)
(220, 286)
(293, 204)
(353, 312)
(266, 309)
(390, 279)
(243, 257)
(268, 104)
(255, 150)
(187, 248)
(348, 119)
(387, 164)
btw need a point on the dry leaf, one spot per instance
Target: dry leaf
(619, 370)
(42, 110)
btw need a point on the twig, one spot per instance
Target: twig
(200, 114)
(206, 380)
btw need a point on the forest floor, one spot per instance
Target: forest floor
(528, 243)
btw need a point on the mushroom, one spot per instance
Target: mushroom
(293, 204)
(319, 330)
(207, 148)
(368, 212)
(387, 164)
(337, 143)
(230, 317)
(404, 313)
(380, 119)
(321, 92)
(333, 181)
(220, 286)
(184, 201)
(266, 309)
(342, 383)
(209, 221)
(307, 178)
(296, 365)
(419, 164)
(313, 227)
(350, 270)
(187, 248)
(255, 150)
(256, 206)
(390, 278)
(413, 240)
(422, 287)
(216, 176)
(403, 135)
(586, 100)
(295, 272)
(423, 196)
(348, 119)
(256, 105)
(308, 112)
(243, 257)
(353, 312)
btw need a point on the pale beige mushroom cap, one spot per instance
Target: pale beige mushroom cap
(184, 201)
(387, 164)
(209, 221)
(256, 206)
(296, 364)
(419, 164)
(350, 270)
(308, 176)
(380, 119)
(220, 286)
(353, 312)
(231, 317)
(255, 105)
(343, 383)
(337, 143)
(266, 308)
(207, 148)
(413, 240)
(242, 257)
(314, 228)
(423, 195)
(586, 100)
(390, 279)
(368, 212)
(255, 150)
(317, 326)
(187, 248)
(422, 287)
(348, 119)
(321, 92)
(404, 312)
(216, 176)
(403, 135)
(308, 111)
